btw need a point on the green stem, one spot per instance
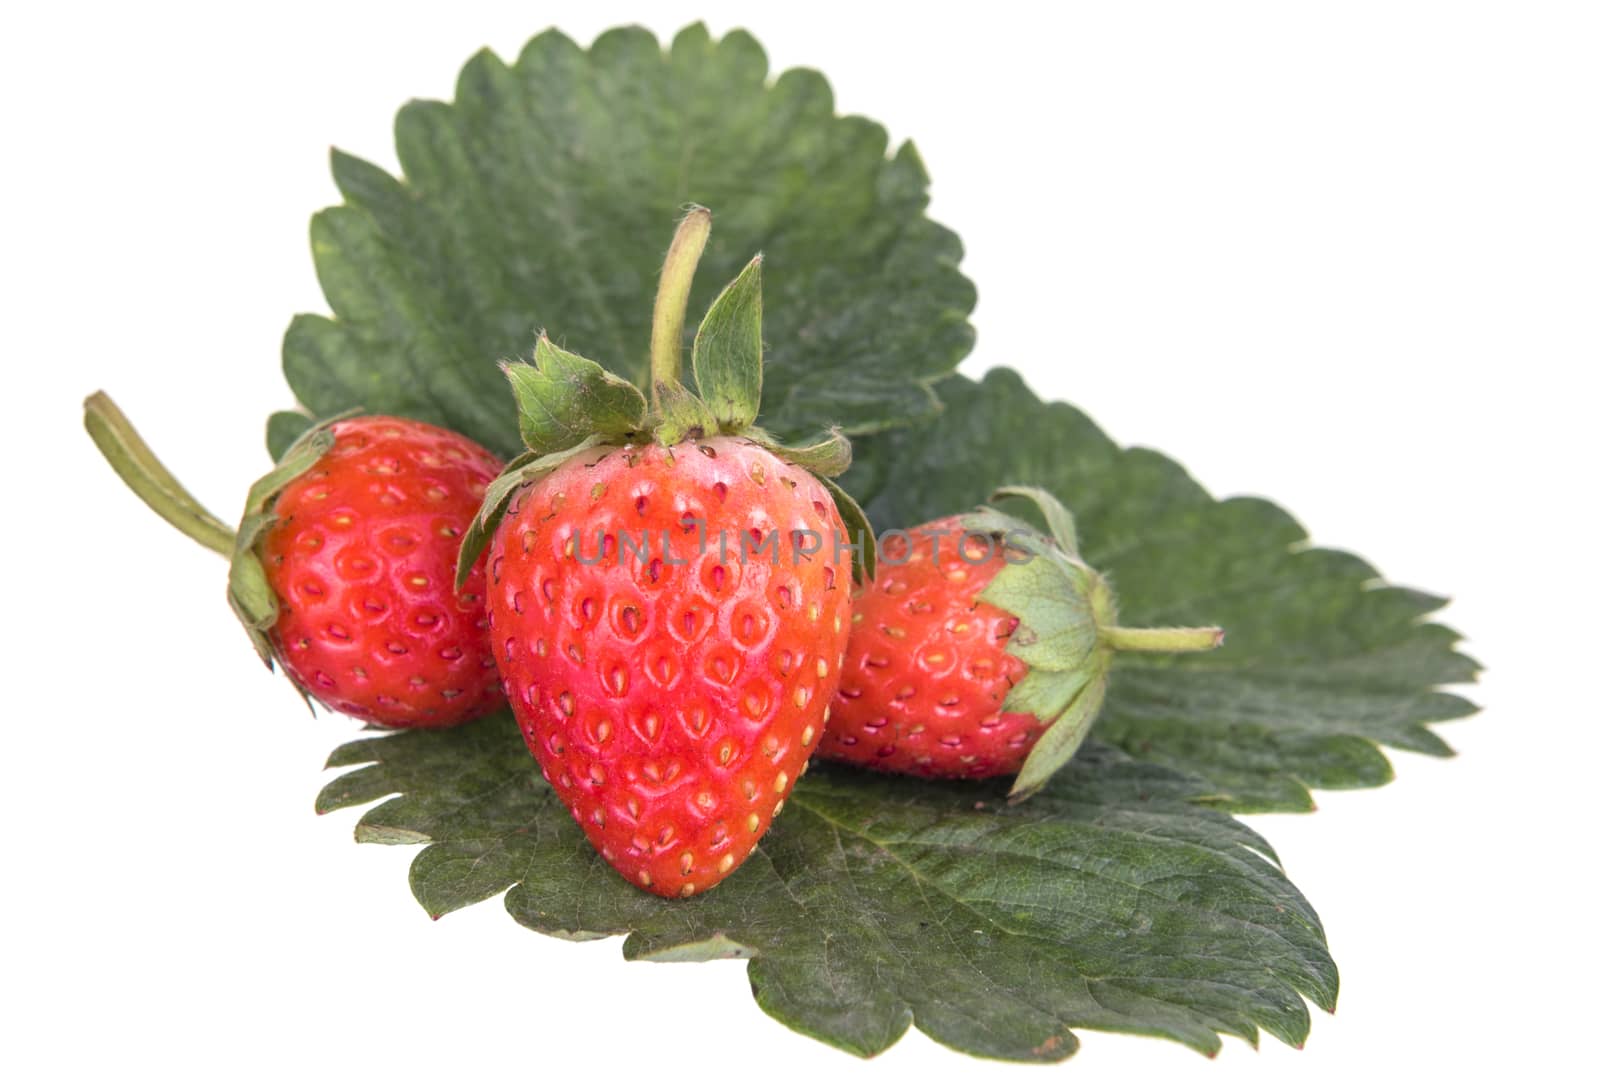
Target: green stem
(672, 298)
(138, 466)
(1122, 639)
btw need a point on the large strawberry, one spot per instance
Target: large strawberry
(343, 568)
(669, 591)
(983, 648)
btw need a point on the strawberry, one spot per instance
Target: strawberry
(342, 566)
(669, 591)
(361, 558)
(982, 649)
(671, 706)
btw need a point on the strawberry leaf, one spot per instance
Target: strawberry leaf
(1323, 662)
(1109, 901)
(534, 200)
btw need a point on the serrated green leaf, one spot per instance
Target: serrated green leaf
(562, 399)
(535, 199)
(727, 352)
(1323, 660)
(1109, 901)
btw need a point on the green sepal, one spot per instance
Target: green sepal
(563, 398)
(1061, 741)
(1061, 523)
(727, 352)
(856, 524)
(681, 416)
(826, 458)
(526, 468)
(249, 593)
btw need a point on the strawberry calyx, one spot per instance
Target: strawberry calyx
(1066, 631)
(567, 404)
(251, 597)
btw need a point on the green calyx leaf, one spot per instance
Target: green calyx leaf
(523, 470)
(858, 528)
(249, 593)
(681, 416)
(727, 352)
(1063, 528)
(563, 399)
(875, 903)
(828, 457)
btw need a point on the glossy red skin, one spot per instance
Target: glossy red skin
(672, 707)
(362, 559)
(926, 669)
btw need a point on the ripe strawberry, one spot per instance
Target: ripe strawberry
(671, 706)
(342, 566)
(362, 560)
(982, 649)
(669, 590)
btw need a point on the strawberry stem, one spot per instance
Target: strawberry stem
(1122, 639)
(672, 299)
(138, 466)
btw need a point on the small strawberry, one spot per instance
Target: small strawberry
(669, 592)
(343, 567)
(982, 648)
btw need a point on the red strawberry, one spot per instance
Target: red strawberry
(342, 566)
(362, 560)
(669, 590)
(982, 649)
(672, 706)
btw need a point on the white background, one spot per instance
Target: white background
(1344, 255)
